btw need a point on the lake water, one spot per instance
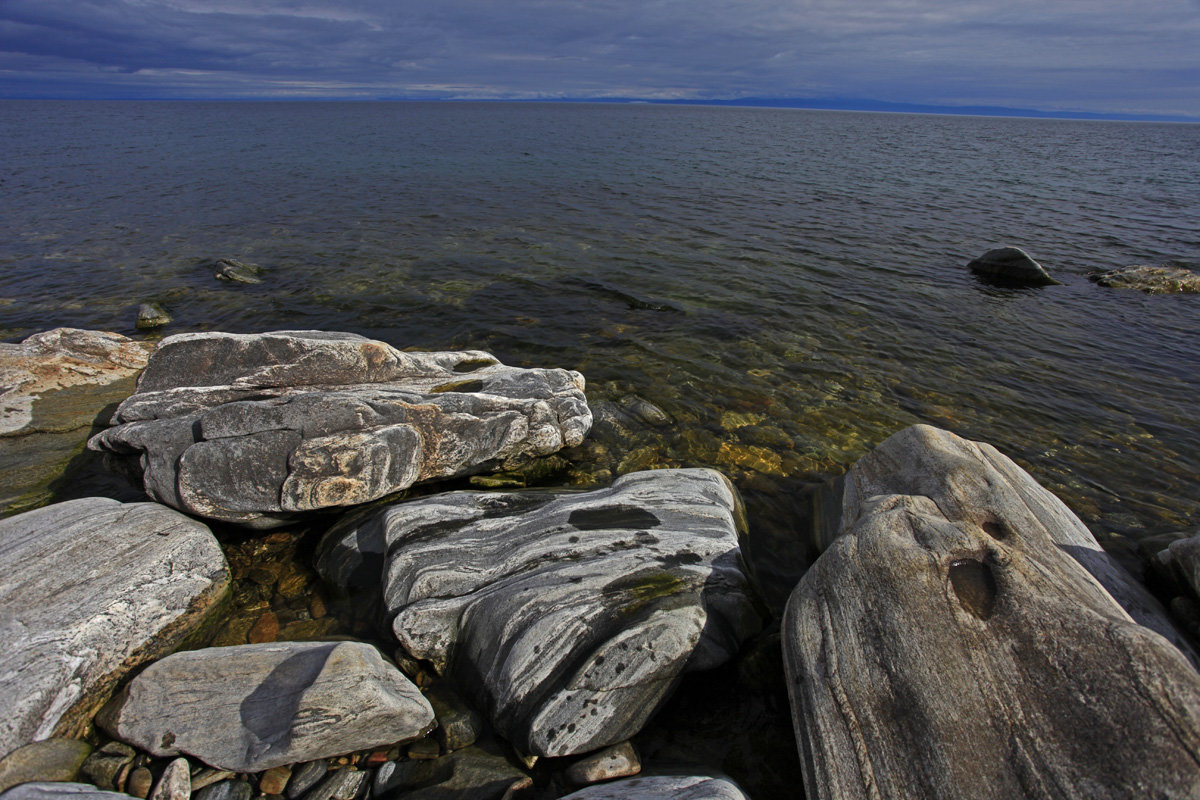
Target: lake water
(789, 286)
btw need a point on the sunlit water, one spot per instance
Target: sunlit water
(790, 286)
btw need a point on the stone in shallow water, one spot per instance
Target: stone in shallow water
(571, 615)
(227, 269)
(1151, 280)
(256, 428)
(93, 588)
(53, 385)
(662, 787)
(1012, 266)
(152, 315)
(252, 707)
(950, 644)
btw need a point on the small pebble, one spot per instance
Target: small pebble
(274, 780)
(618, 761)
(265, 629)
(104, 766)
(209, 776)
(175, 783)
(140, 782)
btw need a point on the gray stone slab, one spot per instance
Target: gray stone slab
(91, 589)
(662, 787)
(47, 790)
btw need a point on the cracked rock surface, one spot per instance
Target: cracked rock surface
(571, 614)
(256, 428)
(92, 589)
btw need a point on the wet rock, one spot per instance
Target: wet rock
(60, 791)
(106, 765)
(645, 411)
(49, 760)
(257, 428)
(53, 386)
(152, 315)
(1181, 559)
(226, 269)
(662, 787)
(1151, 280)
(968, 654)
(1011, 266)
(974, 483)
(94, 588)
(252, 707)
(175, 783)
(305, 776)
(570, 614)
(618, 761)
(344, 784)
(226, 790)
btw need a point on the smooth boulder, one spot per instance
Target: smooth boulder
(662, 787)
(938, 653)
(571, 615)
(53, 385)
(253, 707)
(92, 589)
(47, 790)
(1151, 280)
(1011, 266)
(256, 428)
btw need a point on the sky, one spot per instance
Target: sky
(1104, 56)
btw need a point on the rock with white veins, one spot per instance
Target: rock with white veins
(93, 588)
(255, 428)
(662, 787)
(955, 643)
(252, 707)
(571, 615)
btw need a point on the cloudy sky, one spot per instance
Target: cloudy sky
(1086, 55)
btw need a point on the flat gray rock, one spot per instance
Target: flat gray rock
(571, 615)
(60, 791)
(939, 649)
(91, 589)
(1011, 266)
(259, 427)
(1151, 280)
(252, 707)
(662, 787)
(974, 483)
(53, 386)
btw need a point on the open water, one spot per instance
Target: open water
(789, 286)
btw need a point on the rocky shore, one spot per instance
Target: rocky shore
(349, 571)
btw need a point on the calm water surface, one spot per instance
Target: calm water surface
(790, 286)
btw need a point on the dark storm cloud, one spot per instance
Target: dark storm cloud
(1104, 55)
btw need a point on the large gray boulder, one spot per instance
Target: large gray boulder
(49, 790)
(91, 589)
(53, 386)
(1151, 280)
(252, 707)
(1011, 266)
(254, 428)
(662, 787)
(571, 615)
(940, 651)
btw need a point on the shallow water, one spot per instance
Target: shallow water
(789, 286)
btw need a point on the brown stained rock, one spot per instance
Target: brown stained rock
(275, 780)
(141, 780)
(935, 653)
(265, 629)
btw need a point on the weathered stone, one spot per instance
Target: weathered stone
(344, 784)
(226, 790)
(60, 791)
(662, 787)
(571, 615)
(274, 780)
(106, 764)
(49, 760)
(1011, 265)
(227, 269)
(940, 649)
(252, 707)
(141, 781)
(1151, 280)
(175, 783)
(618, 761)
(92, 589)
(305, 776)
(257, 428)
(974, 483)
(152, 315)
(53, 386)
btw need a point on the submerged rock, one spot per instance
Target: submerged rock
(1151, 280)
(232, 271)
(942, 648)
(152, 315)
(662, 787)
(256, 428)
(252, 707)
(1012, 266)
(91, 589)
(571, 615)
(53, 385)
